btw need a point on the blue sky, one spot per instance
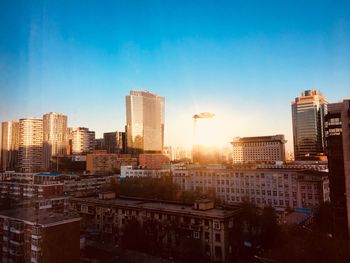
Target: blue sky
(243, 60)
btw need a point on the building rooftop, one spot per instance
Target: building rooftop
(158, 206)
(47, 174)
(278, 137)
(37, 217)
(249, 168)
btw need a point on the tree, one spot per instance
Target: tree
(268, 225)
(323, 218)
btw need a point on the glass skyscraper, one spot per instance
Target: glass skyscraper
(55, 136)
(308, 113)
(144, 122)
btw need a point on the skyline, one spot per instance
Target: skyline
(246, 63)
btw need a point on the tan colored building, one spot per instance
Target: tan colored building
(28, 235)
(101, 162)
(55, 139)
(261, 149)
(83, 141)
(153, 160)
(30, 144)
(9, 145)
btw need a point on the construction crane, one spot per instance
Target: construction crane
(203, 115)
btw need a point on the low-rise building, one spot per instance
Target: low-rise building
(19, 191)
(280, 188)
(130, 172)
(177, 224)
(76, 185)
(34, 236)
(15, 176)
(101, 162)
(153, 160)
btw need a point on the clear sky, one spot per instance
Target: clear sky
(243, 60)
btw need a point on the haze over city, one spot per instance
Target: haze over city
(243, 61)
(174, 131)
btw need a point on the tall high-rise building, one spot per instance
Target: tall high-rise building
(338, 152)
(55, 136)
(83, 140)
(99, 144)
(115, 142)
(144, 122)
(9, 145)
(308, 112)
(30, 144)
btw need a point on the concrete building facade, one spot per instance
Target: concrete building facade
(30, 144)
(261, 149)
(280, 188)
(38, 236)
(210, 227)
(83, 141)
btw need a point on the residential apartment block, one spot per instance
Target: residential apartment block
(27, 235)
(30, 144)
(82, 140)
(211, 227)
(20, 191)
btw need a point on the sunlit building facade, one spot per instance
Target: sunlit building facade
(83, 140)
(30, 144)
(55, 136)
(338, 152)
(9, 145)
(308, 113)
(144, 122)
(280, 188)
(261, 149)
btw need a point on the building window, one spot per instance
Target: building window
(216, 225)
(218, 237)
(196, 235)
(218, 251)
